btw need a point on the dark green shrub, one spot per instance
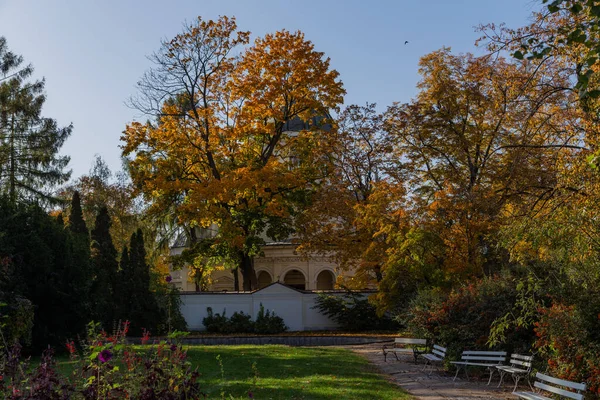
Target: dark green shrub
(353, 312)
(217, 323)
(268, 323)
(241, 323)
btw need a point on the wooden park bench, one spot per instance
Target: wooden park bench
(478, 358)
(410, 346)
(437, 356)
(554, 386)
(519, 367)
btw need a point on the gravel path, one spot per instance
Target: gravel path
(438, 385)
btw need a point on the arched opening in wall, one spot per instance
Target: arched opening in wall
(295, 279)
(325, 280)
(264, 279)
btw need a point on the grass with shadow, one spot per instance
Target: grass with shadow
(282, 372)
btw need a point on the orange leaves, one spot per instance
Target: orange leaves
(220, 149)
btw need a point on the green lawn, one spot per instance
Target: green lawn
(290, 373)
(283, 372)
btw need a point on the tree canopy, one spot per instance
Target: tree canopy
(219, 151)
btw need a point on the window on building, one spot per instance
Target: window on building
(325, 280)
(295, 279)
(264, 279)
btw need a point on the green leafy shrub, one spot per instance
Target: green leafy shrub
(16, 320)
(268, 323)
(241, 323)
(216, 323)
(353, 312)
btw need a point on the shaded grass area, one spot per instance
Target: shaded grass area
(282, 372)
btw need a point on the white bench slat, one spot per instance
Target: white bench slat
(482, 358)
(483, 352)
(522, 363)
(432, 357)
(562, 392)
(561, 382)
(515, 356)
(510, 369)
(531, 396)
(439, 353)
(475, 364)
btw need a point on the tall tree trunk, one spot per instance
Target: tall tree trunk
(236, 280)
(248, 274)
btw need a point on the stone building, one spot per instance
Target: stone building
(280, 263)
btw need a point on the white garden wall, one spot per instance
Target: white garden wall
(295, 307)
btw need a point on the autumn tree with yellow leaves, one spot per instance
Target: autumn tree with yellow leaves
(484, 138)
(218, 151)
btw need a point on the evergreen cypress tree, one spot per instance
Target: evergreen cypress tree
(144, 311)
(105, 270)
(124, 286)
(77, 275)
(76, 222)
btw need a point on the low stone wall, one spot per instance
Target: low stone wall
(287, 340)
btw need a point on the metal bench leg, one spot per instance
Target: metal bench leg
(502, 373)
(491, 374)
(516, 378)
(425, 366)
(457, 371)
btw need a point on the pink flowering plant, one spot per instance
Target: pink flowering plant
(108, 367)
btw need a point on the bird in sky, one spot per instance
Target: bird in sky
(406, 42)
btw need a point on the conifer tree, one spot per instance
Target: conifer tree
(77, 274)
(124, 286)
(144, 311)
(104, 268)
(76, 221)
(29, 142)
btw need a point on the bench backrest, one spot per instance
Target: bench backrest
(411, 341)
(521, 361)
(493, 357)
(545, 382)
(439, 351)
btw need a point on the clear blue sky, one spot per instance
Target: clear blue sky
(93, 52)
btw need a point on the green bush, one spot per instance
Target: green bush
(268, 323)
(353, 312)
(217, 323)
(241, 323)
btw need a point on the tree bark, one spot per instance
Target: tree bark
(236, 280)
(248, 274)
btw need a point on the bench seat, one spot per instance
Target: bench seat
(480, 358)
(474, 364)
(549, 384)
(531, 396)
(411, 346)
(437, 356)
(432, 357)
